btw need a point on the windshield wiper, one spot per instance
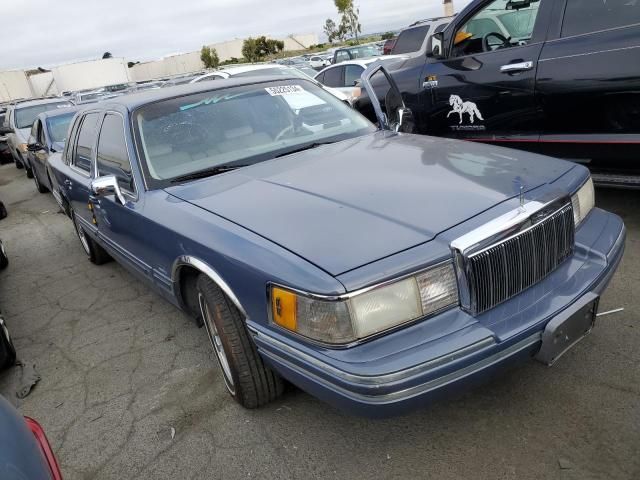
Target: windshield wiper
(209, 172)
(303, 148)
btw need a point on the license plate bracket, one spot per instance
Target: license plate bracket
(568, 328)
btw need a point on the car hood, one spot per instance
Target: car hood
(344, 205)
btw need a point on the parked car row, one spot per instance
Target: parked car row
(225, 197)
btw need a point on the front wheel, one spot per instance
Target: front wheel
(95, 252)
(7, 350)
(41, 188)
(249, 381)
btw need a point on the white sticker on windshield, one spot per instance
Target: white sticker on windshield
(284, 90)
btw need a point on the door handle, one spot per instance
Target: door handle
(68, 184)
(516, 67)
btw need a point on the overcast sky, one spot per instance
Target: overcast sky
(45, 33)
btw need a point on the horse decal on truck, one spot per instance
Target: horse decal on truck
(461, 108)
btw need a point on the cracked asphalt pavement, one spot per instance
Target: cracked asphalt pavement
(121, 368)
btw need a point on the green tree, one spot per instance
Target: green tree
(388, 36)
(350, 17)
(255, 49)
(107, 55)
(330, 30)
(251, 50)
(209, 57)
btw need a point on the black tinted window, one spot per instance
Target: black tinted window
(86, 140)
(112, 158)
(411, 40)
(584, 16)
(333, 78)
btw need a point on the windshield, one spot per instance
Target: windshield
(26, 116)
(58, 127)
(364, 52)
(239, 126)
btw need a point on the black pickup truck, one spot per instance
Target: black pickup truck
(559, 77)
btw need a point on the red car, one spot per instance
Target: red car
(388, 45)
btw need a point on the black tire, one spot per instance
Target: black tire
(28, 170)
(7, 349)
(95, 252)
(17, 162)
(251, 383)
(41, 188)
(4, 260)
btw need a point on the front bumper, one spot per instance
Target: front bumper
(396, 372)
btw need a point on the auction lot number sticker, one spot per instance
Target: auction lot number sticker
(284, 90)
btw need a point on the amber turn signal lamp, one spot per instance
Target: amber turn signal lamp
(283, 306)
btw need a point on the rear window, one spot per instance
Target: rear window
(586, 16)
(25, 116)
(411, 40)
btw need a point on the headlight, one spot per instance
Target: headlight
(364, 314)
(583, 201)
(23, 147)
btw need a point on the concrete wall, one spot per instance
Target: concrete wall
(190, 62)
(43, 84)
(14, 85)
(91, 74)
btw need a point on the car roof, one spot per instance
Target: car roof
(60, 111)
(363, 62)
(132, 101)
(40, 101)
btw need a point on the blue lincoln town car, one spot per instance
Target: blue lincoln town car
(375, 269)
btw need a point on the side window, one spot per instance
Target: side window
(411, 40)
(351, 74)
(342, 56)
(34, 130)
(112, 157)
(586, 16)
(333, 77)
(84, 144)
(320, 78)
(497, 26)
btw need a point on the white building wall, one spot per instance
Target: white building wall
(91, 74)
(14, 85)
(43, 84)
(190, 62)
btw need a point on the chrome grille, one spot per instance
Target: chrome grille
(505, 269)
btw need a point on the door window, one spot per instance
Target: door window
(112, 156)
(86, 141)
(333, 77)
(500, 24)
(410, 40)
(586, 16)
(352, 73)
(342, 56)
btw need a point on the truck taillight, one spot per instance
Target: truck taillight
(41, 438)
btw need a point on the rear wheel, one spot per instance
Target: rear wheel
(17, 161)
(95, 252)
(249, 381)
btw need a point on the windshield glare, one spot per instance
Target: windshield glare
(26, 116)
(58, 127)
(241, 126)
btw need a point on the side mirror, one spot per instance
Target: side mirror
(107, 185)
(436, 46)
(5, 130)
(35, 147)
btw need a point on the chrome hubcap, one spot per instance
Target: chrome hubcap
(216, 343)
(82, 237)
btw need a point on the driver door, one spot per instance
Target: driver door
(484, 87)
